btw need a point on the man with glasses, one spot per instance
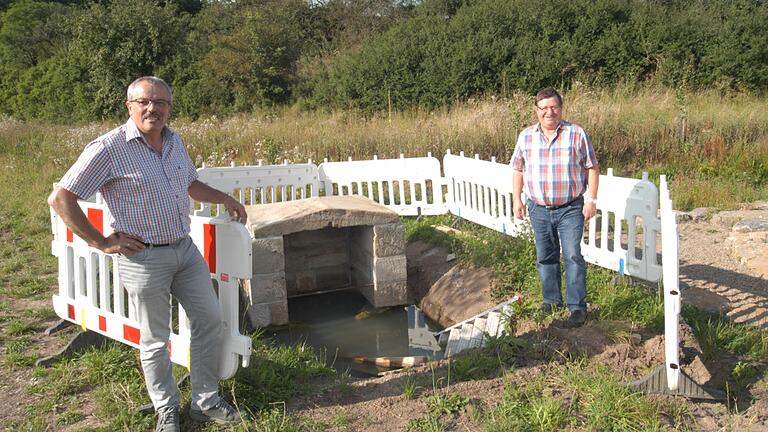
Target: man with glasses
(556, 165)
(146, 177)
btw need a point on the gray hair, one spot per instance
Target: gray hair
(150, 79)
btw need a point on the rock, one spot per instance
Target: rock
(757, 205)
(751, 249)
(460, 294)
(751, 225)
(727, 218)
(682, 217)
(700, 214)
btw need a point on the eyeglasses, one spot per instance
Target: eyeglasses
(158, 103)
(554, 108)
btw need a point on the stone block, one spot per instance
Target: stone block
(266, 314)
(388, 239)
(267, 255)
(265, 288)
(390, 294)
(389, 269)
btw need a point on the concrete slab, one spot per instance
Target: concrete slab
(267, 220)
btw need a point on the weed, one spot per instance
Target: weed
(743, 373)
(606, 403)
(17, 327)
(16, 353)
(716, 334)
(274, 419)
(42, 314)
(428, 423)
(446, 404)
(410, 388)
(341, 420)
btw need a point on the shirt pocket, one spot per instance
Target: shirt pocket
(566, 154)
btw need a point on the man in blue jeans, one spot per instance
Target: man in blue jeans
(556, 165)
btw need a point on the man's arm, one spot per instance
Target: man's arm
(593, 180)
(201, 192)
(518, 207)
(65, 204)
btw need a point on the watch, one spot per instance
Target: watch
(588, 199)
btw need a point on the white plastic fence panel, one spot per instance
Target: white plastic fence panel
(261, 184)
(408, 186)
(623, 235)
(91, 294)
(671, 273)
(481, 191)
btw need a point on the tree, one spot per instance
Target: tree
(122, 41)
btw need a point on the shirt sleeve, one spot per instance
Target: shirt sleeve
(588, 158)
(90, 172)
(518, 161)
(191, 170)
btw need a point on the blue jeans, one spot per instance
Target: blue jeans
(552, 229)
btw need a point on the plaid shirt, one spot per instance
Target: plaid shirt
(147, 194)
(554, 172)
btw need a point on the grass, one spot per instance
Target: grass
(716, 335)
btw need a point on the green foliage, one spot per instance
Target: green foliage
(446, 403)
(455, 50)
(71, 60)
(715, 334)
(427, 423)
(275, 374)
(121, 41)
(527, 408)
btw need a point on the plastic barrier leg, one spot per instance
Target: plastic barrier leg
(78, 343)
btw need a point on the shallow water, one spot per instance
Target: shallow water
(327, 323)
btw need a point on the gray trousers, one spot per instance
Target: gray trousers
(151, 276)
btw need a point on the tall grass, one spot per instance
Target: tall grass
(705, 141)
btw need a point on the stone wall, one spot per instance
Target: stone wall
(321, 244)
(317, 260)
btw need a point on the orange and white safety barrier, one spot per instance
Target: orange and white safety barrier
(92, 296)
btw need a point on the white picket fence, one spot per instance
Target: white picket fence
(623, 237)
(408, 186)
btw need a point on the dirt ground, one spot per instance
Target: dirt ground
(712, 276)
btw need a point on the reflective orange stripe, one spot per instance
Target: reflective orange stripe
(131, 334)
(209, 246)
(96, 217)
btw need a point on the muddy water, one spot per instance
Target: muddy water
(342, 325)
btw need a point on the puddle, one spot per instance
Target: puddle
(331, 323)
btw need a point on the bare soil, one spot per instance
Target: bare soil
(712, 277)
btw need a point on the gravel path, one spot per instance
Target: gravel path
(714, 273)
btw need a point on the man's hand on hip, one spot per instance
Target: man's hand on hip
(121, 243)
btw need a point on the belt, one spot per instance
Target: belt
(555, 207)
(153, 245)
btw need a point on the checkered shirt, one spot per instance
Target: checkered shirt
(554, 172)
(147, 194)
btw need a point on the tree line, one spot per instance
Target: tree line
(67, 61)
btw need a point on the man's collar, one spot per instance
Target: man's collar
(560, 125)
